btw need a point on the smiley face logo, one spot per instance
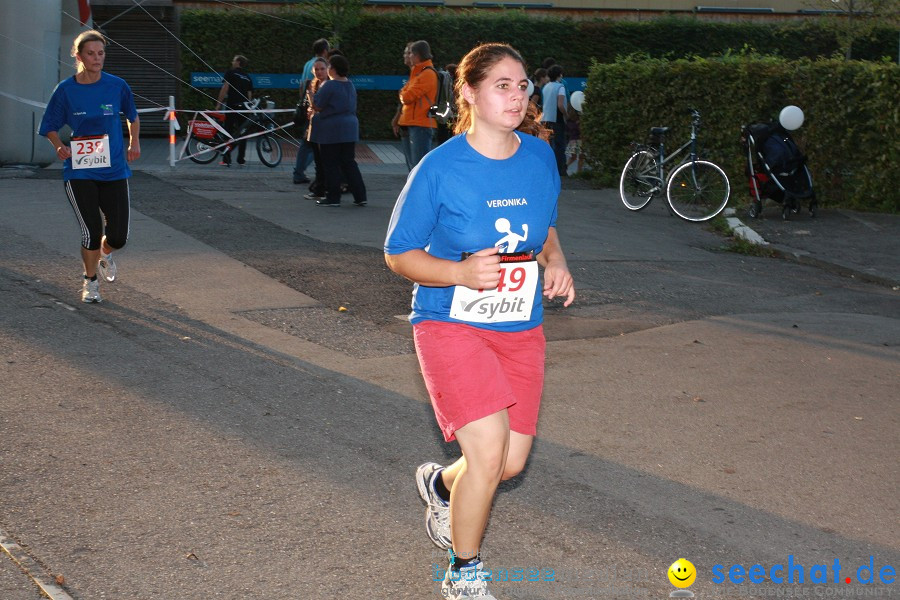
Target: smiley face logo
(682, 573)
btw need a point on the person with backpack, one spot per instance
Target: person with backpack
(417, 98)
(446, 104)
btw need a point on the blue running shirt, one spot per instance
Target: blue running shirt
(92, 109)
(457, 200)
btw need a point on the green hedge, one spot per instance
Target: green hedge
(850, 133)
(375, 46)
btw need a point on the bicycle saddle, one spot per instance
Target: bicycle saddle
(658, 130)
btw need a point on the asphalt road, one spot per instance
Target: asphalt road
(216, 428)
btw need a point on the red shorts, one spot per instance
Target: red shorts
(471, 373)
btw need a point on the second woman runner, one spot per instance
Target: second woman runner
(95, 167)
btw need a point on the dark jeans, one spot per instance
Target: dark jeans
(305, 156)
(444, 133)
(337, 159)
(416, 144)
(559, 146)
(233, 124)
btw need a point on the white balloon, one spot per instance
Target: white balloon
(530, 91)
(577, 100)
(791, 117)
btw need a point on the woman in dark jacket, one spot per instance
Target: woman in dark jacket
(336, 130)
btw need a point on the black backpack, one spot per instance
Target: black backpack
(443, 109)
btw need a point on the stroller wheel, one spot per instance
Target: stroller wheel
(812, 209)
(755, 210)
(785, 212)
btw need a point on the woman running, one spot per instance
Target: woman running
(95, 171)
(476, 218)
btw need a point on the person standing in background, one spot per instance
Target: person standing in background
(416, 98)
(554, 108)
(539, 79)
(403, 132)
(304, 148)
(320, 76)
(320, 49)
(237, 89)
(336, 132)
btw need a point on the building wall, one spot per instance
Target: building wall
(34, 56)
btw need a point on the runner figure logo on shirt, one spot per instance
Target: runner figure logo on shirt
(510, 241)
(514, 296)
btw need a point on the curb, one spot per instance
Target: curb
(739, 229)
(802, 257)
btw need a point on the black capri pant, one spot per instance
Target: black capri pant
(101, 207)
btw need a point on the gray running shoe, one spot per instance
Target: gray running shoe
(107, 267)
(437, 512)
(90, 292)
(468, 582)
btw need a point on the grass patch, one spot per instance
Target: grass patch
(739, 245)
(719, 224)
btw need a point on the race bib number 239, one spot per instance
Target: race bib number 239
(511, 300)
(90, 152)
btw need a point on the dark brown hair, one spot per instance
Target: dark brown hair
(341, 65)
(473, 69)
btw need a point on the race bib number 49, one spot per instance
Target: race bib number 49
(511, 300)
(90, 152)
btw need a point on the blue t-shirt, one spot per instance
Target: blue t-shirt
(92, 109)
(457, 200)
(308, 74)
(551, 92)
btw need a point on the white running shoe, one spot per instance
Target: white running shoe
(437, 512)
(468, 582)
(90, 292)
(107, 267)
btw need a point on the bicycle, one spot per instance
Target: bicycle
(206, 141)
(696, 190)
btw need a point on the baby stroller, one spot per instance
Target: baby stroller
(776, 169)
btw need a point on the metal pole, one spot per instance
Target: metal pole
(172, 123)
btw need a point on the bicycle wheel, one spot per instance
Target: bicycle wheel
(639, 181)
(269, 150)
(201, 152)
(698, 191)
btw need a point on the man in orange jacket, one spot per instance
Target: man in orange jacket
(416, 97)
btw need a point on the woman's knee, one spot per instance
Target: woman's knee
(489, 467)
(116, 242)
(513, 467)
(519, 450)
